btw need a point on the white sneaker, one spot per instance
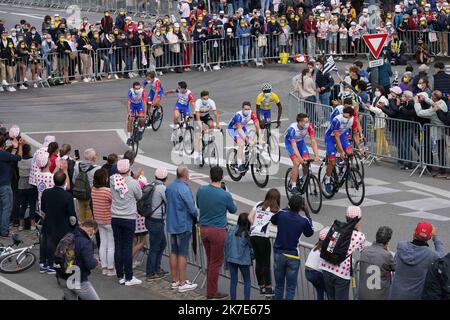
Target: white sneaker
(85, 80)
(12, 89)
(39, 78)
(122, 281)
(4, 83)
(25, 79)
(174, 285)
(187, 287)
(22, 87)
(161, 73)
(111, 273)
(116, 77)
(109, 77)
(35, 85)
(1, 89)
(104, 272)
(132, 282)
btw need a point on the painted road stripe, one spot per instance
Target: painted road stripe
(21, 289)
(420, 186)
(26, 15)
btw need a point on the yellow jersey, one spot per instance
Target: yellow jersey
(266, 103)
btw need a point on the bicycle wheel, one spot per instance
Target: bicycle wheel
(232, 165)
(355, 188)
(157, 118)
(287, 183)
(177, 139)
(188, 141)
(273, 148)
(358, 163)
(211, 155)
(314, 194)
(260, 171)
(321, 175)
(17, 262)
(135, 142)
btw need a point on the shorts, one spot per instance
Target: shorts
(235, 134)
(184, 110)
(180, 243)
(330, 143)
(265, 114)
(152, 94)
(301, 146)
(140, 109)
(206, 118)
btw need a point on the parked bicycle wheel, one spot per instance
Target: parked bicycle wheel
(232, 165)
(314, 194)
(355, 188)
(260, 171)
(17, 262)
(157, 118)
(188, 141)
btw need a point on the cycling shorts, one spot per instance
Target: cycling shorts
(182, 109)
(330, 142)
(301, 146)
(206, 118)
(152, 95)
(137, 107)
(265, 114)
(234, 133)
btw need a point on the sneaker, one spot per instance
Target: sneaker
(33, 228)
(22, 87)
(262, 290)
(160, 73)
(269, 292)
(129, 142)
(134, 281)
(293, 190)
(217, 296)
(187, 287)
(20, 228)
(111, 273)
(35, 85)
(4, 83)
(174, 285)
(12, 89)
(39, 78)
(1, 89)
(242, 169)
(163, 272)
(104, 272)
(50, 271)
(109, 76)
(85, 80)
(116, 77)
(153, 277)
(122, 281)
(25, 79)
(42, 268)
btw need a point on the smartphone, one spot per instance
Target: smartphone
(77, 154)
(105, 158)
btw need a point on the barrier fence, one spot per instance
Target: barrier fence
(408, 142)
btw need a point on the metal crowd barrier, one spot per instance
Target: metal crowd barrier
(435, 147)
(21, 71)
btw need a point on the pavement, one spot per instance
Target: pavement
(93, 115)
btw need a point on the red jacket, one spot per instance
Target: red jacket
(125, 27)
(309, 26)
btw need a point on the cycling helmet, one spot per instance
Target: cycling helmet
(266, 87)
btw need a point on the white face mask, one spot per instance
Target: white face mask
(345, 120)
(138, 92)
(267, 95)
(246, 113)
(377, 93)
(205, 102)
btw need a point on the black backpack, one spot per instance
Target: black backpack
(81, 187)
(337, 242)
(145, 204)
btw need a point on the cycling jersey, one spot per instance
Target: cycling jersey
(266, 102)
(294, 133)
(339, 110)
(137, 101)
(338, 126)
(156, 89)
(239, 118)
(204, 107)
(183, 101)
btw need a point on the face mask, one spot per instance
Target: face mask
(11, 46)
(18, 29)
(61, 39)
(205, 102)
(106, 14)
(96, 36)
(177, 30)
(49, 40)
(377, 93)
(130, 30)
(199, 29)
(124, 37)
(33, 48)
(306, 125)
(345, 120)
(421, 86)
(184, 25)
(158, 33)
(22, 46)
(138, 91)
(84, 34)
(414, 13)
(33, 32)
(140, 31)
(267, 95)
(405, 80)
(158, 25)
(246, 113)
(116, 32)
(4, 37)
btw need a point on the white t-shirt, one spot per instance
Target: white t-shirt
(205, 108)
(314, 260)
(261, 222)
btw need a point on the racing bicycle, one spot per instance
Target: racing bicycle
(310, 186)
(273, 147)
(183, 137)
(136, 135)
(154, 117)
(16, 260)
(344, 172)
(210, 152)
(254, 160)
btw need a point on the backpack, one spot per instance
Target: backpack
(145, 204)
(337, 242)
(65, 256)
(81, 187)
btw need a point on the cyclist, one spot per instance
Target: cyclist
(155, 93)
(203, 106)
(185, 98)
(349, 102)
(137, 102)
(337, 140)
(237, 128)
(296, 147)
(264, 103)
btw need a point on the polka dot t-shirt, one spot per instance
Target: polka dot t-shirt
(343, 270)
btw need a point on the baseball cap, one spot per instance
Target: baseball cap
(161, 173)
(424, 230)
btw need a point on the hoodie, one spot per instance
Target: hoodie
(412, 262)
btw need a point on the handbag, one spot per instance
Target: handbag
(262, 40)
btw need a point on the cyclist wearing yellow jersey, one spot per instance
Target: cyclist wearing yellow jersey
(264, 103)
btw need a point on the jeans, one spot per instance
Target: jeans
(27, 198)
(316, 278)
(336, 287)
(311, 109)
(245, 271)
(265, 5)
(311, 45)
(123, 230)
(243, 53)
(86, 291)
(286, 273)
(6, 203)
(262, 250)
(157, 245)
(106, 250)
(213, 240)
(325, 98)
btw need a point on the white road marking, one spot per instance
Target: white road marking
(26, 15)
(420, 186)
(425, 215)
(75, 131)
(374, 182)
(21, 289)
(421, 193)
(424, 204)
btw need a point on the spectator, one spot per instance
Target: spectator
(291, 226)
(423, 74)
(437, 280)
(53, 155)
(238, 255)
(107, 23)
(27, 194)
(88, 167)
(7, 160)
(181, 213)
(324, 83)
(64, 153)
(214, 202)
(379, 102)
(85, 260)
(259, 218)
(59, 218)
(337, 277)
(44, 179)
(441, 78)
(125, 193)
(101, 207)
(305, 85)
(155, 225)
(140, 232)
(385, 74)
(396, 51)
(312, 266)
(421, 53)
(412, 262)
(243, 34)
(111, 162)
(376, 266)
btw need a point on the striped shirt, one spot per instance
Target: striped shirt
(101, 203)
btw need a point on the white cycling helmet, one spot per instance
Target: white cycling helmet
(266, 87)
